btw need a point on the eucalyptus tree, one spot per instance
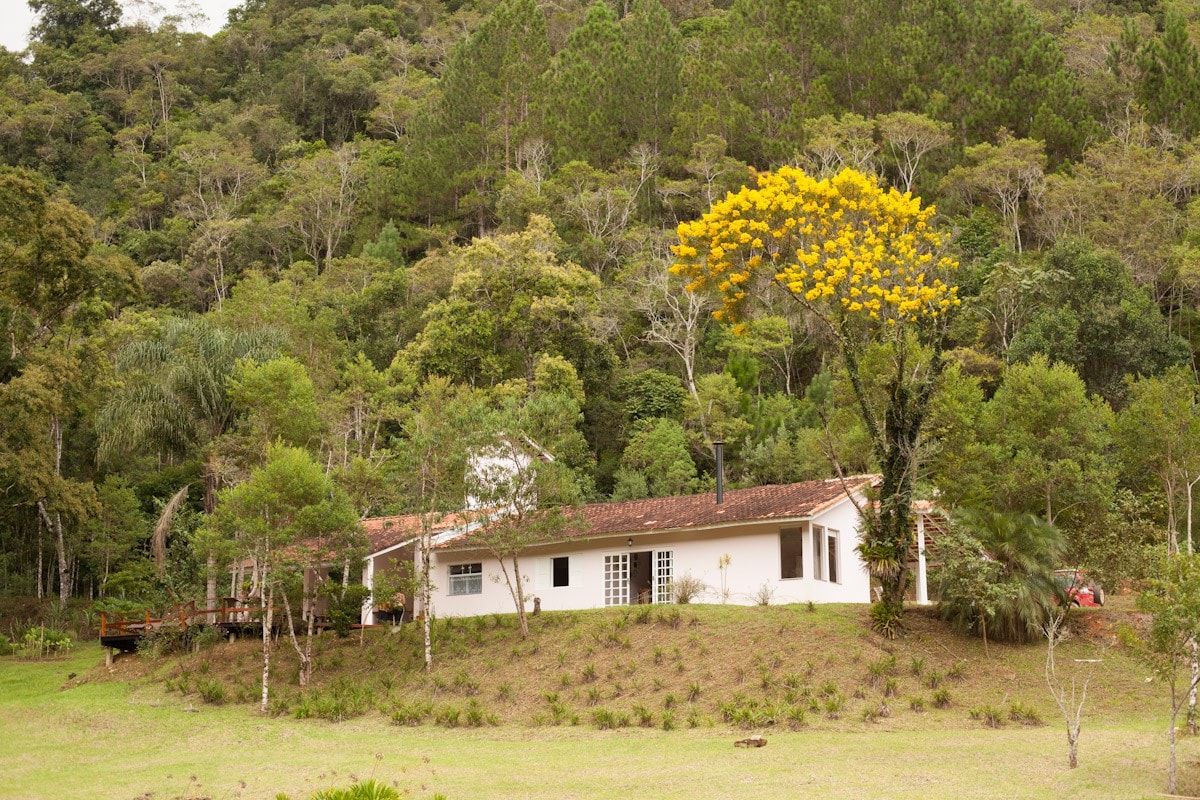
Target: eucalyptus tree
(288, 517)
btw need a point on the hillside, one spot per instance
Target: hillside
(676, 667)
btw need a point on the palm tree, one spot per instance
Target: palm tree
(997, 573)
(174, 399)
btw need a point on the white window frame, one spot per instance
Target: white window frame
(833, 546)
(818, 551)
(466, 580)
(616, 579)
(800, 533)
(550, 583)
(664, 576)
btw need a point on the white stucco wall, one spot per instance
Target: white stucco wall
(754, 560)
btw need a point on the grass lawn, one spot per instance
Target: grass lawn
(100, 736)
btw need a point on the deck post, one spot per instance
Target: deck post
(364, 614)
(108, 656)
(922, 578)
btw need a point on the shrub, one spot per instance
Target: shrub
(41, 641)
(604, 719)
(464, 684)
(366, 790)
(668, 720)
(687, 587)
(342, 700)
(881, 668)
(990, 716)
(941, 698)
(477, 716)
(672, 618)
(917, 704)
(834, 705)
(345, 606)
(644, 716)
(448, 716)
(1026, 715)
(747, 712)
(411, 713)
(211, 691)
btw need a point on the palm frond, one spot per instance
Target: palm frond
(158, 541)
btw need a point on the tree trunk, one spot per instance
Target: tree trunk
(1171, 763)
(1191, 714)
(520, 598)
(305, 662)
(426, 593)
(210, 564)
(64, 571)
(41, 589)
(1073, 746)
(266, 599)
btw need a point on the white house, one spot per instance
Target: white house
(791, 543)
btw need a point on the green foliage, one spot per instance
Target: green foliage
(298, 194)
(364, 790)
(41, 642)
(1096, 320)
(996, 575)
(651, 394)
(658, 450)
(345, 605)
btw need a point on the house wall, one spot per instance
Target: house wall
(754, 561)
(384, 567)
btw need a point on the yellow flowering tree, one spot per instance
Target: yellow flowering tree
(868, 263)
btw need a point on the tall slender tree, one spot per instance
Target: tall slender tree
(175, 399)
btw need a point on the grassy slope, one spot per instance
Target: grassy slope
(129, 738)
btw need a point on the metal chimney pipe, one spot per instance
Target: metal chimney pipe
(720, 448)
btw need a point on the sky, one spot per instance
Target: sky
(15, 19)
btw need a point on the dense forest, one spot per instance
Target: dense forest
(331, 221)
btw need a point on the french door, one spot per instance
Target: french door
(617, 583)
(664, 575)
(616, 579)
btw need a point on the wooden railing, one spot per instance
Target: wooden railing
(185, 614)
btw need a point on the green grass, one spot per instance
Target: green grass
(125, 736)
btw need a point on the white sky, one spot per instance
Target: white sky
(16, 18)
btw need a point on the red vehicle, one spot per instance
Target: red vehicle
(1078, 587)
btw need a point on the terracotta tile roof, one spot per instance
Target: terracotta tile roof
(701, 510)
(385, 532)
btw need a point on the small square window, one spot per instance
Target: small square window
(466, 578)
(560, 571)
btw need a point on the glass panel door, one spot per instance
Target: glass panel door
(664, 574)
(616, 580)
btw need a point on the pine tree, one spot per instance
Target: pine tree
(591, 84)
(655, 51)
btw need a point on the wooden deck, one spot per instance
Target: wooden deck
(124, 632)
